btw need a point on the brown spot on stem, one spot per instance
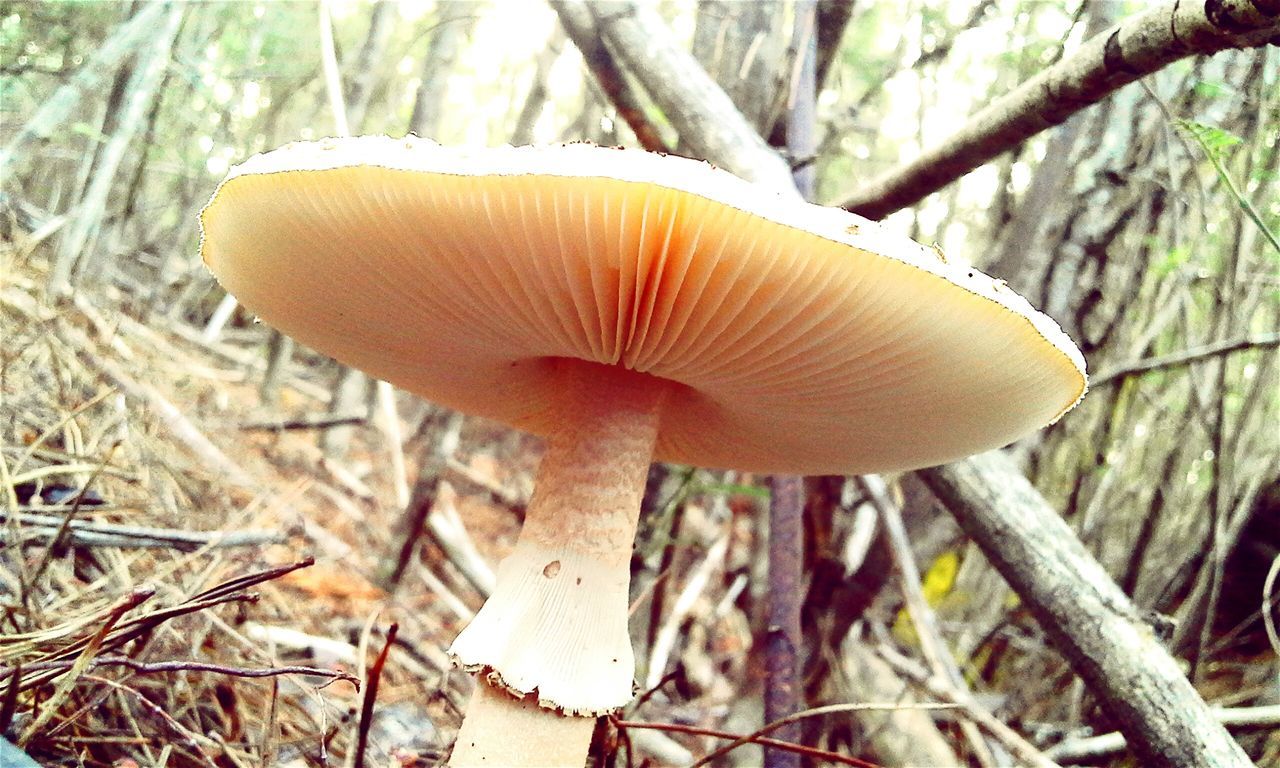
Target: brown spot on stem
(552, 569)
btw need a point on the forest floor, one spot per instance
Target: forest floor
(198, 584)
(204, 559)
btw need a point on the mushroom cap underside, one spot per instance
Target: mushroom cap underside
(798, 338)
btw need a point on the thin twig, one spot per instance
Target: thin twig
(798, 749)
(1023, 751)
(1076, 750)
(921, 613)
(80, 664)
(304, 422)
(372, 679)
(95, 534)
(665, 641)
(782, 694)
(159, 712)
(1185, 357)
(1268, 587)
(188, 665)
(830, 709)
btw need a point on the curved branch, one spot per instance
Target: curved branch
(1138, 46)
(580, 25)
(700, 110)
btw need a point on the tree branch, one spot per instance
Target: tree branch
(580, 25)
(1084, 614)
(1185, 357)
(1138, 46)
(700, 110)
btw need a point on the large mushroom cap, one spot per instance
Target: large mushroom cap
(800, 338)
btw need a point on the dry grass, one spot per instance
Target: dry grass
(170, 617)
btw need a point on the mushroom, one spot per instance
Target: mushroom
(626, 306)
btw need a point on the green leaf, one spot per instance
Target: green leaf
(1211, 89)
(1214, 139)
(1173, 259)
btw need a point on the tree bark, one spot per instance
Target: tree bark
(1139, 45)
(1085, 614)
(451, 33)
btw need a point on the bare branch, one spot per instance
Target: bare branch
(704, 115)
(1139, 45)
(932, 645)
(1185, 357)
(580, 25)
(1089, 619)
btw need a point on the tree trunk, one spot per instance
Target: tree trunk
(451, 33)
(363, 72)
(92, 207)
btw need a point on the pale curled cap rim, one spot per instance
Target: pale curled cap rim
(380, 183)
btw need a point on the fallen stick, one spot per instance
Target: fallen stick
(326, 421)
(1084, 613)
(934, 647)
(95, 534)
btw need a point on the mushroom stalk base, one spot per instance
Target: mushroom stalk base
(554, 630)
(529, 736)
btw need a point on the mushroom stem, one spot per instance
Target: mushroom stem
(554, 631)
(501, 730)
